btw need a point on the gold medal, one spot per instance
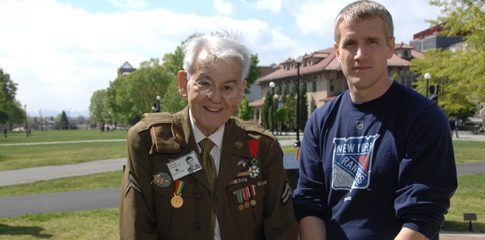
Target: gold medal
(253, 202)
(241, 207)
(246, 204)
(177, 201)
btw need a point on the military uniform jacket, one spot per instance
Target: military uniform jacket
(145, 207)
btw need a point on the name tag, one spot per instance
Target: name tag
(184, 165)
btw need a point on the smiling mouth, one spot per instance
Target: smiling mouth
(214, 110)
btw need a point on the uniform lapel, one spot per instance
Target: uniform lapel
(234, 149)
(182, 131)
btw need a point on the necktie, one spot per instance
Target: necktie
(210, 170)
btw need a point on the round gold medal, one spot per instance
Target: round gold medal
(253, 202)
(241, 207)
(246, 204)
(177, 201)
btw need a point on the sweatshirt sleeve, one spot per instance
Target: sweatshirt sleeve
(427, 173)
(310, 193)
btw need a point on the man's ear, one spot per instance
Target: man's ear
(337, 53)
(392, 46)
(182, 82)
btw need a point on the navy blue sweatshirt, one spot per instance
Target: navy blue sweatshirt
(369, 169)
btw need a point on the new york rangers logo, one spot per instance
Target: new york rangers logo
(352, 161)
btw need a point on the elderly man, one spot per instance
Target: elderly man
(241, 191)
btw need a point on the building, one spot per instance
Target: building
(321, 74)
(125, 69)
(430, 39)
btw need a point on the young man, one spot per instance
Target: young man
(377, 162)
(241, 192)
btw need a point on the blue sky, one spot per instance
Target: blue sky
(59, 51)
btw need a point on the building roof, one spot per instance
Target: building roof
(257, 103)
(326, 60)
(126, 65)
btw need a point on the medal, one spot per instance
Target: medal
(238, 197)
(253, 195)
(253, 152)
(177, 201)
(161, 179)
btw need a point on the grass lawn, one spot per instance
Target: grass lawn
(465, 151)
(61, 135)
(92, 181)
(15, 157)
(92, 224)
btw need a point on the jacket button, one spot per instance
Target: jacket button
(196, 226)
(198, 196)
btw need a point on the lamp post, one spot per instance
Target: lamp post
(272, 85)
(156, 105)
(298, 61)
(427, 76)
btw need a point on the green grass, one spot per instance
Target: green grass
(16, 157)
(465, 151)
(469, 151)
(61, 135)
(92, 224)
(92, 181)
(467, 199)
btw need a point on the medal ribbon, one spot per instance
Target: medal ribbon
(238, 196)
(253, 191)
(253, 147)
(179, 187)
(246, 194)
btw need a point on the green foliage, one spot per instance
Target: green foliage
(11, 111)
(254, 71)
(266, 117)
(172, 100)
(97, 106)
(62, 122)
(245, 111)
(461, 73)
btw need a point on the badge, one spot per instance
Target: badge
(253, 171)
(161, 179)
(239, 145)
(177, 201)
(184, 165)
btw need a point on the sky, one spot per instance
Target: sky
(59, 52)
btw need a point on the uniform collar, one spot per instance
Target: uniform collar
(216, 137)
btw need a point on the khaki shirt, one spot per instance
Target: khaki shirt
(146, 212)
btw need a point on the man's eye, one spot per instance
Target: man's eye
(228, 88)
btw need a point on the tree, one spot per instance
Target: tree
(281, 117)
(460, 74)
(62, 121)
(11, 111)
(172, 101)
(266, 117)
(245, 111)
(97, 109)
(254, 71)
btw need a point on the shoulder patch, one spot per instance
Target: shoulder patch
(253, 127)
(150, 119)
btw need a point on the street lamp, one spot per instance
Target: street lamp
(427, 76)
(298, 61)
(272, 85)
(156, 105)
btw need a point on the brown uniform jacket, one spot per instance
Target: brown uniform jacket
(145, 208)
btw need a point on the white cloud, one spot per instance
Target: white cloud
(59, 55)
(222, 7)
(270, 5)
(129, 4)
